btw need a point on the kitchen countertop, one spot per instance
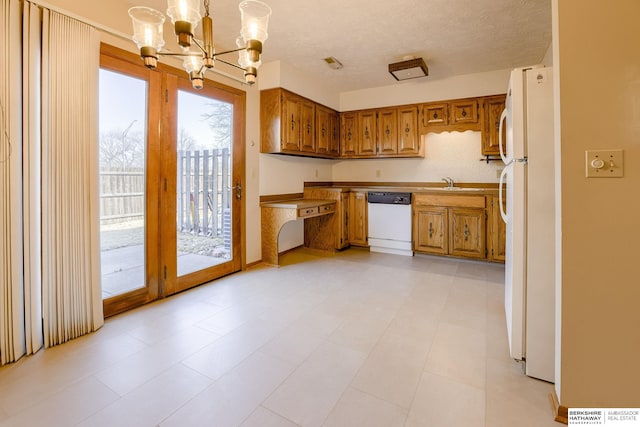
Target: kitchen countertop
(461, 188)
(297, 203)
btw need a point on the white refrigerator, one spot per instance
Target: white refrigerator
(530, 219)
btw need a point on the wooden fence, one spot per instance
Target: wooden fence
(203, 192)
(121, 194)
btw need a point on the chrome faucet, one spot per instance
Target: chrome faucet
(449, 181)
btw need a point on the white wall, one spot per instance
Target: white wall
(252, 177)
(599, 83)
(281, 74)
(548, 56)
(426, 90)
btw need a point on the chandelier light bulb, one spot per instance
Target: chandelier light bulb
(147, 33)
(254, 17)
(147, 27)
(184, 10)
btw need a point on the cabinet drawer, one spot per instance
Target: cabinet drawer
(327, 208)
(305, 212)
(477, 201)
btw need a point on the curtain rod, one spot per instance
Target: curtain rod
(116, 33)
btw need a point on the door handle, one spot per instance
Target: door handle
(238, 188)
(503, 154)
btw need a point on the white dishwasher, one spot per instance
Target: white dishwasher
(389, 217)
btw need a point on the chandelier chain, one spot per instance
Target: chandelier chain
(206, 7)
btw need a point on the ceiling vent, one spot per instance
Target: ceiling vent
(333, 62)
(410, 68)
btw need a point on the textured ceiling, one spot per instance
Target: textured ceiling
(453, 36)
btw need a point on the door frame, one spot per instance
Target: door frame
(170, 282)
(160, 199)
(151, 289)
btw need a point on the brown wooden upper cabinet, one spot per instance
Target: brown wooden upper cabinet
(349, 131)
(291, 118)
(367, 136)
(452, 115)
(308, 127)
(435, 114)
(291, 124)
(492, 110)
(388, 131)
(327, 131)
(408, 135)
(385, 132)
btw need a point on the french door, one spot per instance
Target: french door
(171, 168)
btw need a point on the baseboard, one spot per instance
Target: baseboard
(560, 412)
(253, 264)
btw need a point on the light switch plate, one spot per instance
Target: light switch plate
(604, 164)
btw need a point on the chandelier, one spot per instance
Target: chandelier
(185, 15)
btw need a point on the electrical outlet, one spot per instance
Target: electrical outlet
(498, 173)
(316, 173)
(604, 163)
(378, 174)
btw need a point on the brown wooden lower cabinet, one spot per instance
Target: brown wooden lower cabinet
(460, 225)
(430, 231)
(467, 232)
(339, 219)
(350, 220)
(450, 225)
(358, 225)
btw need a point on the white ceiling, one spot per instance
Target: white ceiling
(454, 37)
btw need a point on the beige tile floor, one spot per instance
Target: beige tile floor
(354, 339)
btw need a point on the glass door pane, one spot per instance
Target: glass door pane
(203, 182)
(122, 127)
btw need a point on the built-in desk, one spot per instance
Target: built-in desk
(276, 214)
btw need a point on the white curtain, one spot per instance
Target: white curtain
(71, 293)
(31, 177)
(50, 257)
(12, 333)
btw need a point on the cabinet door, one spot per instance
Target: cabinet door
(434, 115)
(358, 218)
(343, 218)
(464, 112)
(492, 107)
(430, 229)
(334, 137)
(349, 125)
(323, 130)
(366, 142)
(467, 232)
(408, 139)
(308, 140)
(387, 131)
(498, 231)
(291, 122)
